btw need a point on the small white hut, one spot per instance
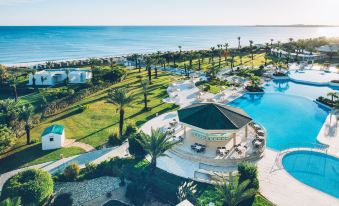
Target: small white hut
(53, 137)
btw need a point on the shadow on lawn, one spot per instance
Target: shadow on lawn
(22, 157)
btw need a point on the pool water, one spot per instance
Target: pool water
(288, 113)
(315, 169)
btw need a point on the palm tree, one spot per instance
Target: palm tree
(232, 62)
(33, 78)
(3, 74)
(212, 52)
(156, 145)
(266, 48)
(67, 76)
(239, 46)
(333, 95)
(49, 65)
(232, 192)
(42, 78)
(121, 98)
(226, 51)
(26, 114)
(135, 57)
(149, 62)
(144, 86)
(180, 47)
(13, 82)
(16, 201)
(272, 43)
(251, 48)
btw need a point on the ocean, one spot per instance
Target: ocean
(46, 43)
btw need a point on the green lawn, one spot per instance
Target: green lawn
(259, 59)
(94, 124)
(27, 156)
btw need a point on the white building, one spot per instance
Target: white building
(50, 77)
(53, 137)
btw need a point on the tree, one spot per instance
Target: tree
(226, 51)
(13, 82)
(232, 192)
(248, 171)
(7, 138)
(121, 98)
(10, 112)
(333, 95)
(3, 74)
(42, 78)
(135, 57)
(156, 145)
(144, 86)
(67, 76)
(239, 46)
(33, 78)
(212, 53)
(180, 47)
(26, 115)
(271, 43)
(251, 49)
(149, 62)
(255, 81)
(187, 191)
(16, 201)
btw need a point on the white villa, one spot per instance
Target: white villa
(50, 77)
(53, 137)
(305, 56)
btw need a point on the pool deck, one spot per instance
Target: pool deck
(282, 189)
(329, 134)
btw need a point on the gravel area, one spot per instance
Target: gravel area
(89, 189)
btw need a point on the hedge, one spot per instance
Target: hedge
(34, 186)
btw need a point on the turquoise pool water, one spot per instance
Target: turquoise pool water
(315, 169)
(290, 119)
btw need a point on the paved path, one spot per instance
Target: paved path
(282, 189)
(74, 143)
(59, 165)
(329, 134)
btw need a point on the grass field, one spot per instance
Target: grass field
(259, 59)
(94, 124)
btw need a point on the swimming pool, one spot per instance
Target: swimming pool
(287, 112)
(315, 169)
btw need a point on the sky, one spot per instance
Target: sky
(169, 12)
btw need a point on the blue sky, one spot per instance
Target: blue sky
(168, 12)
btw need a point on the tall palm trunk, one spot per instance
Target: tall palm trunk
(149, 75)
(156, 72)
(153, 164)
(145, 100)
(15, 93)
(28, 133)
(121, 121)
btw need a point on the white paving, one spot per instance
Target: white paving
(329, 134)
(282, 189)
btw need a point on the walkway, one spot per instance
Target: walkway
(74, 143)
(282, 189)
(59, 165)
(329, 134)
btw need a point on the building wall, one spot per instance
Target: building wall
(58, 141)
(75, 77)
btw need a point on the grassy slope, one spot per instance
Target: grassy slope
(95, 124)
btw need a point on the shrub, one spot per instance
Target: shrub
(135, 147)
(72, 171)
(16, 201)
(64, 199)
(131, 129)
(136, 193)
(82, 108)
(114, 139)
(248, 171)
(34, 186)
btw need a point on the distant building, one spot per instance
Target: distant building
(50, 77)
(53, 137)
(185, 203)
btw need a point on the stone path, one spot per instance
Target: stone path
(59, 165)
(74, 143)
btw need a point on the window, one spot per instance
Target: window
(51, 139)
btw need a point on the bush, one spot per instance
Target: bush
(34, 186)
(248, 171)
(82, 108)
(135, 147)
(72, 171)
(131, 129)
(64, 199)
(136, 193)
(114, 139)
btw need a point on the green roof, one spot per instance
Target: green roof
(53, 129)
(211, 116)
